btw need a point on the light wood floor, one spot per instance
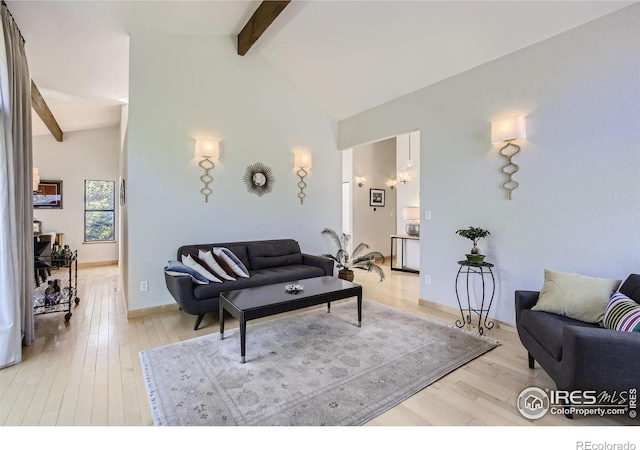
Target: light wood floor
(87, 372)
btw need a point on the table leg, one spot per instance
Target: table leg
(221, 311)
(391, 253)
(328, 307)
(404, 252)
(243, 336)
(360, 309)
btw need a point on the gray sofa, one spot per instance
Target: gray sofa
(268, 262)
(579, 355)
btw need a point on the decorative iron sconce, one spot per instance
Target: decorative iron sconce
(360, 181)
(208, 151)
(508, 130)
(302, 162)
(404, 177)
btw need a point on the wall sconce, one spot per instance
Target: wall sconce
(36, 179)
(391, 184)
(208, 151)
(507, 130)
(412, 214)
(302, 162)
(404, 177)
(360, 181)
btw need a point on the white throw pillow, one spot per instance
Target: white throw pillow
(232, 261)
(577, 296)
(208, 258)
(188, 261)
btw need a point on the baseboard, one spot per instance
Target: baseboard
(87, 265)
(150, 311)
(455, 311)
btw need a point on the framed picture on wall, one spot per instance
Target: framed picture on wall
(48, 195)
(376, 197)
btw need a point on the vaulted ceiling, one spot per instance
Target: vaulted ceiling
(348, 56)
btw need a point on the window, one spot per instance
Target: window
(99, 211)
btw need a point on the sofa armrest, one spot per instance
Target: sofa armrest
(181, 288)
(600, 358)
(318, 261)
(525, 300)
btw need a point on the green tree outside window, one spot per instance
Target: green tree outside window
(99, 211)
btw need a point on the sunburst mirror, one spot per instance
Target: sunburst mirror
(259, 179)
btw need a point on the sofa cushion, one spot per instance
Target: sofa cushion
(210, 262)
(240, 251)
(293, 272)
(177, 269)
(622, 314)
(274, 254)
(224, 266)
(546, 328)
(190, 261)
(231, 260)
(258, 278)
(576, 296)
(204, 265)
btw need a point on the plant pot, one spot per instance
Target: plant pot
(475, 258)
(346, 275)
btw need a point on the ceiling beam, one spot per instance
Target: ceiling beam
(258, 24)
(42, 109)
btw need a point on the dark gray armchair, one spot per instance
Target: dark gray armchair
(579, 355)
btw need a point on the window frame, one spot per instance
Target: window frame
(85, 240)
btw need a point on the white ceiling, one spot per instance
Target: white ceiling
(348, 56)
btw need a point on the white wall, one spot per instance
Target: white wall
(377, 163)
(576, 209)
(123, 240)
(407, 194)
(82, 155)
(183, 87)
(347, 191)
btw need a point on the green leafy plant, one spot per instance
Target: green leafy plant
(474, 234)
(347, 262)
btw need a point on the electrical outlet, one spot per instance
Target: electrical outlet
(427, 279)
(144, 286)
(427, 215)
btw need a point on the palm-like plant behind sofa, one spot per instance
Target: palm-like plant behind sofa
(347, 262)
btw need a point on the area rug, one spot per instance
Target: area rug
(310, 369)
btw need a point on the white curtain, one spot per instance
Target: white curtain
(16, 195)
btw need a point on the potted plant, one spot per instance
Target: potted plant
(474, 234)
(346, 262)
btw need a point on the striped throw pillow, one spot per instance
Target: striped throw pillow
(622, 314)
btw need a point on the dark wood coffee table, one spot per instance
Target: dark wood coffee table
(254, 303)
